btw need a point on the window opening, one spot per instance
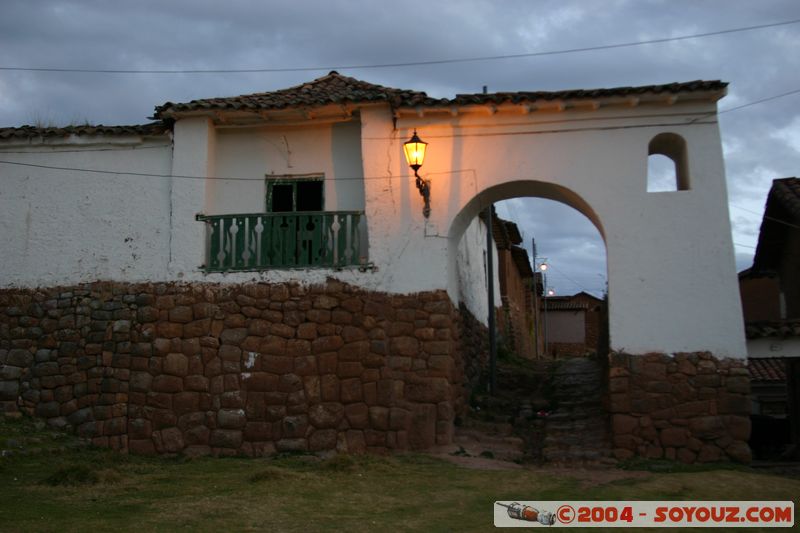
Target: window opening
(667, 164)
(295, 194)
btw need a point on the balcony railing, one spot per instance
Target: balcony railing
(261, 241)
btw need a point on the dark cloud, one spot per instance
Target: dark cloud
(761, 142)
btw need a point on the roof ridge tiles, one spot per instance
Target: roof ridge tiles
(334, 88)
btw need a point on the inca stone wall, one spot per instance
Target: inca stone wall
(688, 407)
(224, 370)
(255, 369)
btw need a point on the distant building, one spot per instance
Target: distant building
(516, 318)
(770, 292)
(573, 325)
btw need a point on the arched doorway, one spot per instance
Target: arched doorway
(549, 393)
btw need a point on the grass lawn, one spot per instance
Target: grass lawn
(50, 484)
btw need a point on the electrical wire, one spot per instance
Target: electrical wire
(766, 217)
(406, 63)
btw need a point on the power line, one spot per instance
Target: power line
(766, 217)
(767, 99)
(407, 63)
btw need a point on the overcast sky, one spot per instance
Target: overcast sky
(761, 142)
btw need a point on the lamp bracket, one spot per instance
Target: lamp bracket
(424, 187)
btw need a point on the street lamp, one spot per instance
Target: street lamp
(543, 266)
(414, 150)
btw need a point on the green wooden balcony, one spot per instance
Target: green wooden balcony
(262, 241)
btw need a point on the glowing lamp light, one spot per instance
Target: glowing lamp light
(414, 150)
(543, 267)
(551, 292)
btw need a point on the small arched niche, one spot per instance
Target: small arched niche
(667, 163)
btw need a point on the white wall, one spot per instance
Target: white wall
(671, 275)
(766, 347)
(252, 154)
(63, 227)
(472, 281)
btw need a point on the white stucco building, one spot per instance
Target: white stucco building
(309, 184)
(128, 209)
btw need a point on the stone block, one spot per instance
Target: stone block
(323, 301)
(298, 348)
(141, 446)
(166, 383)
(233, 336)
(292, 445)
(294, 426)
(327, 363)
(186, 402)
(349, 369)
(9, 390)
(282, 330)
(326, 415)
(262, 382)
(140, 381)
(350, 390)
(322, 439)
(709, 453)
(226, 438)
(691, 409)
(623, 424)
(169, 330)
(356, 444)
(354, 351)
(404, 345)
(707, 427)
(740, 452)
(357, 415)
(327, 343)
(428, 390)
(176, 364)
(19, 357)
(196, 383)
(197, 328)
(674, 437)
(422, 433)
(738, 427)
(307, 331)
(258, 431)
(736, 404)
(379, 418)
(277, 364)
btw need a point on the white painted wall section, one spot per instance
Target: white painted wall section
(60, 227)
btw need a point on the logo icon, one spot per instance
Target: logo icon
(527, 513)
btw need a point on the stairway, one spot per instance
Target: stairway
(578, 429)
(543, 412)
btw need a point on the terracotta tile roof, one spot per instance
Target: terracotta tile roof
(520, 256)
(770, 369)
(786, 191)
(586, 94)
(556, 303)
(757, 330)
(330, 89)
(28, 132)
(783, 205)
(335, 88)
(581, 300)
